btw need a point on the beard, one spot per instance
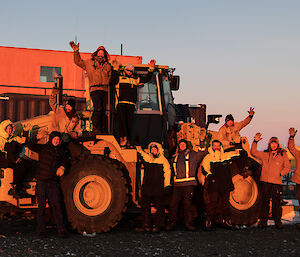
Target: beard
(100, 59)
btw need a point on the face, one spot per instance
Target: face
(128, 72)
(182, 146)
(68, 108)
(9, 129)
(274, 146)
(216, 146)
(229, 123)
(100, 56)
(55, 141)
(154, 150)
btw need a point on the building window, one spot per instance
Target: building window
(47, 73)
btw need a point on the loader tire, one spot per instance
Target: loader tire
(95, 194)
(245, 200)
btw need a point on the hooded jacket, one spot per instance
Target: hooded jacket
(229, 135)
(161, 160)
(296, 154)
(60, 121)
(99, 74)
(273, 166)
(218, 164)
(127, 86)
(5, 138)
(50, 158)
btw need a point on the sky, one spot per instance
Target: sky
(230, 54)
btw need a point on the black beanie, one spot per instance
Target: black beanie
(71, 102)
(229, 117)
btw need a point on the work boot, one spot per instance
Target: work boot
(278, 224)
(207, 224)
(227, 224)
(190, 227)
(170, 226)
(263, 224)
(143, 229)
(63, 233)
(156, 229)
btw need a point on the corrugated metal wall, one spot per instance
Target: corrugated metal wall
(20, 106)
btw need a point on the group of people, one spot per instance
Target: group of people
(212, 166)
(182, 172)
(101, 77)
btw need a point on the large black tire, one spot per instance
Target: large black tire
(245, 199)
(95, 194)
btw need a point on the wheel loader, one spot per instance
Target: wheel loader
(104, 179)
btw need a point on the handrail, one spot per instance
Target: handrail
(45, 88)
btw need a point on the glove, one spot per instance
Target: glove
(60, 171)
(211, 178)
(292, 132)
(55, 91)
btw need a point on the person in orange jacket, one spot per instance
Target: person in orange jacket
(296, 154)
(275, 164)
(99, 72)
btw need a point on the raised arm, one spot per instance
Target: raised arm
(253, 150)
(145, 78)
(77, 58)
(145, 156)
(246, 121)
(52, 99)
(291, 143)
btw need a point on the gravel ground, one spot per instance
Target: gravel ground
(18, 238)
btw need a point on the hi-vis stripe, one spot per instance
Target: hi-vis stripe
(187, 170)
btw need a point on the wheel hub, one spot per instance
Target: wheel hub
(245, 192)
(92, 195)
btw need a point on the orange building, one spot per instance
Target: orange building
(30, 71)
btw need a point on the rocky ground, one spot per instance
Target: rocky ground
(18, 238)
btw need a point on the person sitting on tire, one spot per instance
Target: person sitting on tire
(275, 164)
(296, 153)
(229, 133)
(157, 175)
(218, 185)
(52, 163)
(10, 147)
(185, 164)
(65, 120)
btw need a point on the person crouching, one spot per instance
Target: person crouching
(157, 174)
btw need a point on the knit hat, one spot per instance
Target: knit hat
(71, 102)
(229, 117)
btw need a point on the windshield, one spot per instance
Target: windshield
(148, 96)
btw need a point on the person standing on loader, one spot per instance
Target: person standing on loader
(10, 147)
(185, 164)
(128, 83)
(296, 153)
(52, 163)
(99, 72)
(275, 164)
(157, 176)
(218, 185)
(229, 133)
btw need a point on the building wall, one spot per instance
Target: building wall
(20, 70)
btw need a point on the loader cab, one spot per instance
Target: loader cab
(155, 110)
